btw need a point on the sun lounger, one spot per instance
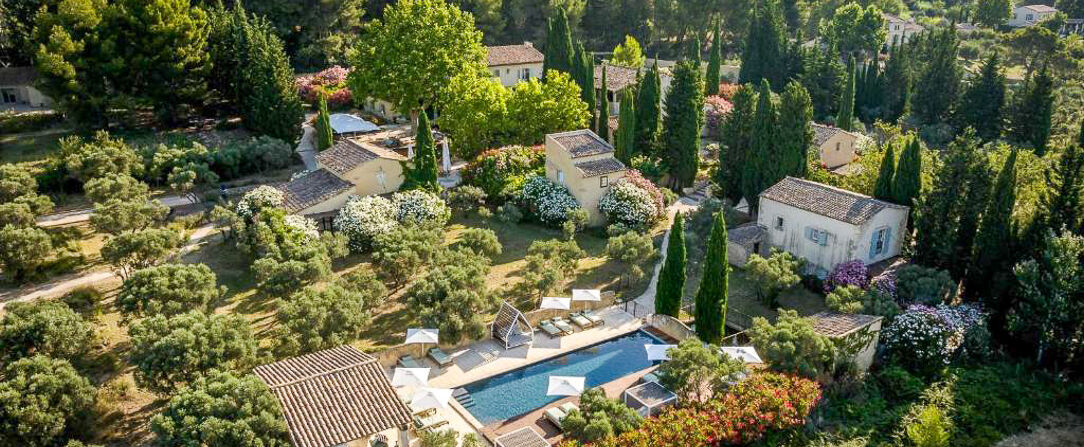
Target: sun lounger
(580, 320)
(590, 315)
(567, 407)
(428, 420)
(408, 361)
(549, 328)
(555, 415)
(563, 325)
(440, 357)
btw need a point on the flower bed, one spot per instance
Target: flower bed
(633, 202)
(924, 337)
(496, 169)
(331, 83)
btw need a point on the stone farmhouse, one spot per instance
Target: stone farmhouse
(835, 146)
(512, 64)
(1027, 15)
(585, 163)
(900, 30)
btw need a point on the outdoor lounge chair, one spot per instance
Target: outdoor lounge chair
(407, 361)
(428, 420)
(549, 328)
(567, 407)
(563, 325)
(555, 415)
(581, 321)
(442, 359)
(590, 315)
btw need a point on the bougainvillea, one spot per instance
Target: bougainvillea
(548, 201)
(633, 202)
(421, 207)
(363, 218)
(330, 83)
(494, 170)
(761, 404)
(716, 108)
(727, 90)
(850, 273)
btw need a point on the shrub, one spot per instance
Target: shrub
(494, 170)
(420, 207)
(83, 299)
(169, 353)
(401, 253)
(330, 83)
(27, 122)
(547, 200)
(717, 109)
(599, 417)
(899, 385)
(40, 400)
(466, 198)
(261, 198)
(917, 341)
(222, 409)
(44, 327)
(509, 213)
(630, 204)
(481, 241)
(850, 273)
(694, 368)
(931, 429)
(923, 285)
(773, 274)
(168, 289)
(791, 345)
(322, 318)
(364, 218)
(852, 300)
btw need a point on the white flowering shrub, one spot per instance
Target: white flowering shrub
(258, 199)
(421, 207)
(363, 218)
(548, 201)
(924, 337)
(630, 205)
(303, 225)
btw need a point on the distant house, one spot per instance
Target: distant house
(1073, 26)
(1028, 15)
(513, 64)
(383, 109)
(618, 79)
(900, 30)
(826, 225)
(17, 89)
(585, 163)
(836, 146)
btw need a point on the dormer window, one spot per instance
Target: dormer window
(603, 181)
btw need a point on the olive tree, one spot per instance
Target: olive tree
(170, 352)
(791, 345)
(129, 252)
(694, 367)
(404, 251)
(482, 241)
(222, 409)
(168, 289)
(773, 274)
(549, 263)
(41, 398)
(43, 327)
(23, 251)
(631, 249)
(320, 318)
(453, 296)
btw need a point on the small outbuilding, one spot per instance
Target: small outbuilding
(17, 89)
(857, 334)
(743, 241)
(649, 398)
(836, 147)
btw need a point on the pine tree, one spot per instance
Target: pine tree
(897, 84)
(625, 138)
(1033, 110)
(324, 134)
(714, 74)
(421, 172)
(795, 134)
(886, 177)
(682, 124)
(671, 286)
(938, 84)
(1062, 202)
(992, 257)
(647, 111)
(764, 51)
(983, 100)
(845, 117)
(559, 53)
(711, 297)
(938, 210)
(603, 128)
(760, 161)
(737, 139)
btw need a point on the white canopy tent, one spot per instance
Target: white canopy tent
(554, 302)
(422, 337)
(426, 398)
(347, 124)
(746, 354)
(658, 352)
(410, 377)
(565, 386)
(586, 295)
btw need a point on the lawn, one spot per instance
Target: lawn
(29, 149)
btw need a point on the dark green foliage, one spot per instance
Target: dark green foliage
(323, 318)
(939, 211)
(584, 75)
(794, 137)
(671, 286)
(648, 114)
(1050, 307)
(171, 352)
(682, 124)
(763, 54)
(325, 137)
(845, 117)
(1062, 203)
(168, 289)
(403, 252)
(939, 76)
(602, 127)
(737, 139)
(317, 33)
(560, 53)
(1032, 110)
(48, 328)
(923, 285)
(993, 254)
(886, 176)
(759, 166)
(599, 417)
(222, 409)
(625, 136)
(482, 241)
(136, 250)
(870, 93)
(897, 83)
(693, 368)
(907, 183)
(692, 53)
(791, 345)
(23, 251)
(715, 62)
(41, 401)
(422, 171)
(983, 100)
(711, 297)
(452, 296)
(823, 75)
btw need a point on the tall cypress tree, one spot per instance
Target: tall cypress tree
(671, 286)
(938, 210)
(421, 172)
(1033, 110)
(682, 124)
(764, 51)
(907, 183)
(324, 134)
(711, 297)
(693, 51)
(795, 134)
(625, 138)
(714, 75)
(759, 167)
(938, 83)
(647, 111)
(736, 134)
(845, 117)
(897, 84)
(560, 53)
(603, 128)
(265, 84)
(983, 100)
(823, 77)
(584, 75)
(976, 194)
(992, 257)
(886, 176)
(869, 94)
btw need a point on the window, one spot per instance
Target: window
(8, 95)
(779, 223)
(603, 181)
(897, 27)
(1029, 17)
(507, 70)
(560, 176)
(837, 146)
(525, 74)
(879, 245)
(817, 236)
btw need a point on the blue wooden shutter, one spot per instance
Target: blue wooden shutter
(823, 237)
(873, 245)
(809, 233)
(888, 239)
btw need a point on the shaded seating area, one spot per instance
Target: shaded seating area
(428, 420)
(524, 437)
(649, 398)
(511, 327)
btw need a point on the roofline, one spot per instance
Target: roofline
(844, 191)
(583, 131)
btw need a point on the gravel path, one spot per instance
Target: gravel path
(83, 215)
(645, 303)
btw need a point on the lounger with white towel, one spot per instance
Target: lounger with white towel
(581, 321)
(407, 361)
(549, 328)
(558, 414)
(428, 420)
(590, 315)
(438, 355)
(563, 325)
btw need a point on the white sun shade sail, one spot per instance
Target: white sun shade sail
(412, 377)
(426, 398)
(586, 295)
(347, 123)
(414, 336)
(565, 386)
(658, 352)
(746, 354)
(554, 302)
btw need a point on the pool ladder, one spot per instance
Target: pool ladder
(463, 397)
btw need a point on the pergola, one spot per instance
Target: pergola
(511, 327)
(649, 398)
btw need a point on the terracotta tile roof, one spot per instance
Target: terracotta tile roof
(334, 396)
(617, 77)
(836, 324)
(581, 143)
(828, 201)
(747, 234)
(311, 189)
(18, 75)
(344, 155)
(524, 53)
(601, 166)
(1040, 8)
(822, 133)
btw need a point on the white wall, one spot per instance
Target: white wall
(510, 75)
(1026, 17)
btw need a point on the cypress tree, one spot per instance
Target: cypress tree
(907, 182)
(625, 138)
(584, 75)
(736, 135)
(1033, 110)
(715, 63)
(759, 167)
(421, 172)
(983, 100)
(795, 134)
(845, 117)
(693, 52)
(823, 77)
(869, 94)
(270, 104)
(647, 111)
(886, 176)
(993, 258)
(560, 54)
(897, 84)
(765, 46)
(1062, 202)
(711, 297)
(937, 212)
(938, 84)
(324, 134)
(603, 129)
(672, 276)
(682, 124)
(976, 193)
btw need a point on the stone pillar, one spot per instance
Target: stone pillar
(447, 155)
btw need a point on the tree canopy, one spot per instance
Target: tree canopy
(222, 409)
(171, 352)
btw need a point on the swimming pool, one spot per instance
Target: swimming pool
(516, 392)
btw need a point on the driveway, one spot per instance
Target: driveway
(83, 215)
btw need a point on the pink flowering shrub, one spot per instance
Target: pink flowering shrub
(717, 108)
(331, 83)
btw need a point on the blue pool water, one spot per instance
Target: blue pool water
(516, 392)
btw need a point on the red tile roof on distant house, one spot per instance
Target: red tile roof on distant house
(524, 53)
(828, 201)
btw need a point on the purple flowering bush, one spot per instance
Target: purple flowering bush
(850, 273)
(924, 337)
